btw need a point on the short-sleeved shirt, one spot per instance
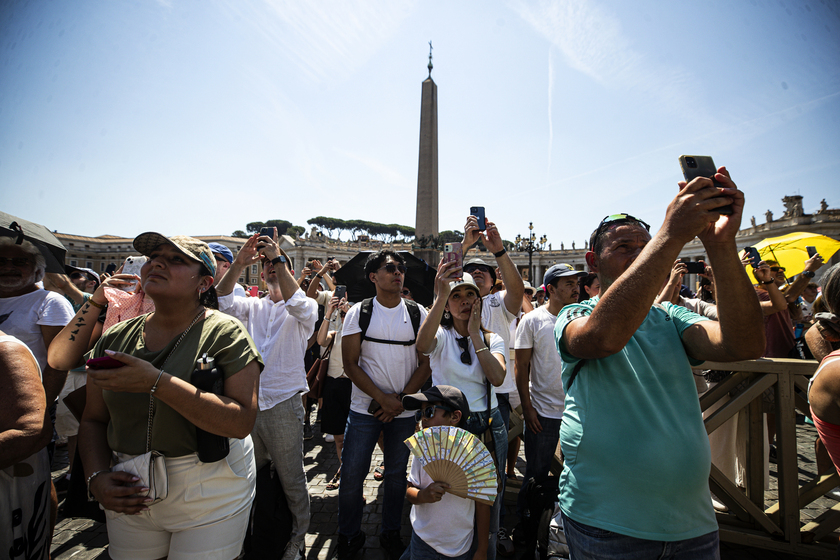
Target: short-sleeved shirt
(220, 336)
(448, 369)
(637, 455)
(22, 317)
(496, 318)
(389, 366)
(778, 330)
(447, 525)
(536, 331)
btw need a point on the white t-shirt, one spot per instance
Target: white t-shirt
(496, 318)
(447, 368)
(536, 331)
(447, 525)
(335, 369)
(22, 317)
(389, 366)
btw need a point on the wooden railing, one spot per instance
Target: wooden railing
(748, 522)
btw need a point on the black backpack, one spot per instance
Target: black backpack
(270, 527)
(540, 495)
(367, 310)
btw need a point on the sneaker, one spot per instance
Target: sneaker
(392, 544)
(329, 438)
(718, 505)
(504, 546)
(347, 549)
(307, 432)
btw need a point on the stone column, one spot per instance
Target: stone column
(426, 223)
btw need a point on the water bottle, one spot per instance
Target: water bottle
(211, 447)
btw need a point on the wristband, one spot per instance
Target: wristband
(319, 275)
(99, 305)
(809, 274)
(280, 259)
(769, 282)
(500, 253)
(481, 350)
(154, 387)
(90, 479)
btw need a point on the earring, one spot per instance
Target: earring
(446, 315)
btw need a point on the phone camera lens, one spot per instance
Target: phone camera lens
(691, 162)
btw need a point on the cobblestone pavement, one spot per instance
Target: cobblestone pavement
(82, 539)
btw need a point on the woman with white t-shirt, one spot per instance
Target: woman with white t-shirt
(463, 354)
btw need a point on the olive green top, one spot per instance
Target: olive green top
(221, 336)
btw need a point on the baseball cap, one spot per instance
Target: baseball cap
(444, 394)
(70, 269)
(191, 247)
(226, 253)
(480, 262)
(465, 280)
(559, 271)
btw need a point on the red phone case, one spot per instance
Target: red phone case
(105, 362)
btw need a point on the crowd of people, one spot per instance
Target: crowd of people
(176, 388)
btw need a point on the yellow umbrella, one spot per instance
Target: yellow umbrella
(790, 250)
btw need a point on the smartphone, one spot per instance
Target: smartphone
(702, 166)
(105, 362)
(698, 267)
(133, 265)
(340, 292)
(811, 251)
(111, 268)
(478, 212)
(374, 407)
(268, 232)
(753, 256)
(453, 252)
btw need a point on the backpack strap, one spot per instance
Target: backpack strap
(366, 311)
(575, 372)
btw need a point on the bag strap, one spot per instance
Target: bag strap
(151, 395)
(366, 311)
(328, 351)
(575, 372)
(487, 385)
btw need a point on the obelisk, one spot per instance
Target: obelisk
(426, 223)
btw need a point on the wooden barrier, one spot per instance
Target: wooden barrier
(778, 527)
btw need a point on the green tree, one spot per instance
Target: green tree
(239, 233)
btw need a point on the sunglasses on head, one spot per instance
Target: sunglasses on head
(429, 412)
(615, 219)
(17, 261)
(464, 343)
(391, 268)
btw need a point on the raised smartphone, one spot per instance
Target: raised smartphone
(811, 251)
(268, 232)
(132, 265)
(694, 267)
(453, 252)
(753, 256)
(340, 292)
(478, 212)
(702, 166)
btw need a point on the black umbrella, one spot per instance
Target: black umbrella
(41, 237)
(419, 278)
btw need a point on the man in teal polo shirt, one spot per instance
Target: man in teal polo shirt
(635, 480)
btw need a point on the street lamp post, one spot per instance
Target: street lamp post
(530, 245)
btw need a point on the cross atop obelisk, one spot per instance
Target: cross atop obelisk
(426, 223)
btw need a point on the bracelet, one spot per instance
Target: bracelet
(500, 253)
(99, 305)
(319, 275)
(481, 350)
(90, 479)
(769, 282)
(154, 387)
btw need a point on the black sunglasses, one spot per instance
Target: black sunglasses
(777, 268)
(615, 219)
(391, 268)
(470, 268)
(429, 412)
(464, 343)
(406, 292)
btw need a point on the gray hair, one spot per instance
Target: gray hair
(29, 248)
(831, 288)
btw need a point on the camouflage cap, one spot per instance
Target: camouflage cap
(193, 248)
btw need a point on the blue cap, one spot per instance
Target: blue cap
(222, 250)
(560, 270)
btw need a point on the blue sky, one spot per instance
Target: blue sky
(190, 117)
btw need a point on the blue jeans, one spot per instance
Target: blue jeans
(591, 543)
(476, 424)
(539, 449)
(360, 438)
(419, 550)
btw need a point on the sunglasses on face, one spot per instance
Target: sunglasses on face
(406, 292)
(615, 219)
(391, 268)
(777, 268)
(470, 268)
(429, 412)
(17, 261)
(464, 343)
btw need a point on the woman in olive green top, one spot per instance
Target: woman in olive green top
(206, 511)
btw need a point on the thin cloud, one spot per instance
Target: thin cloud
(388, 175)
(550, 97)
(328, 38)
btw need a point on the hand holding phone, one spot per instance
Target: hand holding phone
(753, 256)
(105, 362)
(478, 212)
(702, 166)
(340, 292)
(453, 252)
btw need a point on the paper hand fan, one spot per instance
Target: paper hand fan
(458, 458)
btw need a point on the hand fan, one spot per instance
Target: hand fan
(456, 457)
